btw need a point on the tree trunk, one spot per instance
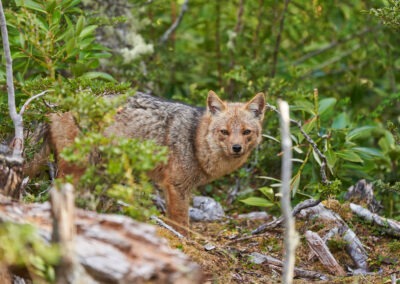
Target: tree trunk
(111, 248)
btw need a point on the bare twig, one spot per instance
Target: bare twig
(28, 101)
(274, 263)
(245, 238)
(278, 40)
(303, 205)
(324, 178)
(291, 236)
(175, 25)
(237, 29)
(256, 34)
(166, 226)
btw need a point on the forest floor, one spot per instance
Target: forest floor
(226, 259)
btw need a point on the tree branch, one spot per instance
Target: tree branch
(278, 40)
(175, 25)
(291, 237)
(18, 142)
(161, 223)
(21, 112)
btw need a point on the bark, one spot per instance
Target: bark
(318, 246)
(389, 226)
(11, 173)
(111, 248)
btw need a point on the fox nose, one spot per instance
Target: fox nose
(236, 148)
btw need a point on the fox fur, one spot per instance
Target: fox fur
(204, 144)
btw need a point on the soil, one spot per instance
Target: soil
(227, 259)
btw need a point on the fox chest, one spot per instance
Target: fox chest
(216, 167)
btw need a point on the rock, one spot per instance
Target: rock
(205, 209)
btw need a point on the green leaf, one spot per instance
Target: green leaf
(30, 5)
(360, 132)
(98, 75)
(325, 105)
(367, 152)
(79, 25)
(295, 182)
(306, 106)
(70, 46)
(349, 155)
(316, 157)
(88, 31)
(257, 201)
(271, 137)
(341, 121)
(309, 125)
(268, 192)
(331, 159)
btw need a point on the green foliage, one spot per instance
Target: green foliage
(118, 166)
(389, 15)
(394, 246)
(336, 244)
(51, 38)
(20, 245)
(268, 200)
(49, 41)
(389, 195)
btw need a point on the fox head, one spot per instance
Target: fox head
(235, 128)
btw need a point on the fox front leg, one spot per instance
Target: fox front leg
(178, 200)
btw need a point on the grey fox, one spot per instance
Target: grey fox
(204, 144)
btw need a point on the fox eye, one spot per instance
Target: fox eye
(246, 132)
(224, 132)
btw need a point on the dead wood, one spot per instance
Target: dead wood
(11, 176)
(363, 193)
(353, 246)
(318, 246)
(389, 226)
(111, 248)
(296, 210)
(63, 213)
(277, 264)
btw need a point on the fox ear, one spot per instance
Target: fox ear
(214, 103)
(257, 105)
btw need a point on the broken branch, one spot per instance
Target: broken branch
(175, 25)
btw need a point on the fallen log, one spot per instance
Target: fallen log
(389, 226)
(111, 248)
